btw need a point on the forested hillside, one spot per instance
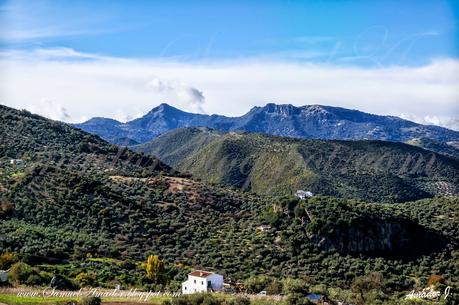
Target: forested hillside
(75, 206)
(367, 170)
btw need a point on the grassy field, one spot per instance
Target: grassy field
(13, 299)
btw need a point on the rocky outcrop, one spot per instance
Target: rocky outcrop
(394, 238)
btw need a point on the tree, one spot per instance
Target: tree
(365, 284)
(292, 286)
(86, 279)
(275, 287)
(436, 280)
(20, 272)
(296, 290)
(270, 216)
(255, 284)
(155, 269)
(6, 209)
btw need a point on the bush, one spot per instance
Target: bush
(275, 287)
(73, 302)
(436, 280)
(364, 285)
(239, 301)
(91, 301)
(293, 286)
(194, 299)
(46, 277)
(255, 284)
(19, 273)
(34, 280)
(62, 283)
(86, 279)
(7, 259)
(298, 299)
(6, 209)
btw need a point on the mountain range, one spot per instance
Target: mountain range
(306, 122)
(376, 171)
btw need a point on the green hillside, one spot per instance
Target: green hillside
(450, 148)
(80, 208)
(367, 170)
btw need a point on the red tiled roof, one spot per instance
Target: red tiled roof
(200, 273)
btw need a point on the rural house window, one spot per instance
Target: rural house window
(202, 283)
(195, 281)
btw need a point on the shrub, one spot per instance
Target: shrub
(60, 282)
(6, 209)
(275, 287)
(20, 272)
(239, 301)
(436, 280)
(298, 299)
(91, 301)
(292, 286)
(33, 280)
(365, 284)
(7, 259)
(72, 302)
(194, 299)
(46, 277)
(86, 279)
(255, 284)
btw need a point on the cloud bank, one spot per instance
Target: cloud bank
(82, 85)
(49, 109)
(190, 97)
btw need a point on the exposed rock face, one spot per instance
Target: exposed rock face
(396, 238)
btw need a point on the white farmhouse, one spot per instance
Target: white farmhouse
(303, 194)
(202, 281)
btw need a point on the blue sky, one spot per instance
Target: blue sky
(357, 32)
(72, 60)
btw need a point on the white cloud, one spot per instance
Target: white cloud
(448, 122)
(90, 85)
(49, 109)
(183, 94)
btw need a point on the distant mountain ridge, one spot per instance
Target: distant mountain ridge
(306, 122)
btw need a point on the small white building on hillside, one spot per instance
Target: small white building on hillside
(202, 281)
(15, 161)
(303, 194)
